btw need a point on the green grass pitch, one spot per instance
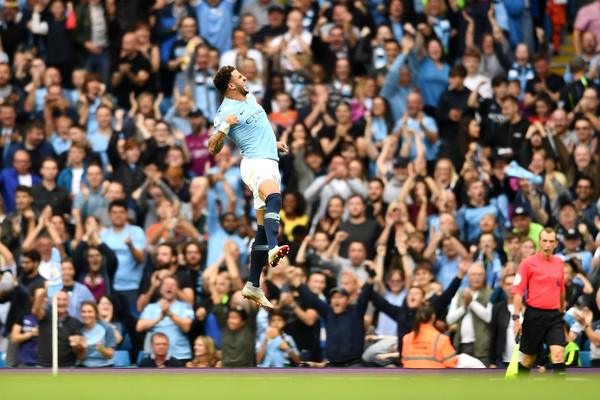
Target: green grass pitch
(308, 385)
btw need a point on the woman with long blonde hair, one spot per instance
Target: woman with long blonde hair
(206, 354)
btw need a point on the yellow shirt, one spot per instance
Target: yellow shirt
(290, 224)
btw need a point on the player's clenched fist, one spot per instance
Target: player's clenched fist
(232, 120)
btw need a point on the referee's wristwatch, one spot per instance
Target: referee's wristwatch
(515, 317)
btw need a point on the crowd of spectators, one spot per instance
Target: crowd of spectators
(430, 143)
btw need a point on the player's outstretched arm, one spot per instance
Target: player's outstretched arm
(217, 141)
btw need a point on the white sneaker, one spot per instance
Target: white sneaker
(277, 253)
(255, 293)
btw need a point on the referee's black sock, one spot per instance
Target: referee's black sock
(524, 372)
(560, 369)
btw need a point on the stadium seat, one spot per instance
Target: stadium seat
(2, 359)
(584, 357)
(141, 356)
(586, 346)
(121, 359)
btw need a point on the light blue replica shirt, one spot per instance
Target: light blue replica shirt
(100, 333)
(274, 357)
(254, 134)
(129, 272)
(216, 23)
(179, 345)
(431, 149)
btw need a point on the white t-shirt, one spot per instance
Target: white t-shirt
(44, 269)
(485, 90)
(25, 180)
(510, 337)
(76, 180)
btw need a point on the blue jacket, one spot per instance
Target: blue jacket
(65, 178)
(345, 331)
(8, 183)
(394, 93)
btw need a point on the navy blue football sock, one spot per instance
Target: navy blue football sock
(258, 256)
(273, 202)
(560, 369)
(524, 371)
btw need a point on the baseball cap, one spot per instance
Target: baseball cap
(520, 211)
(400, 161)
(313, 149)
(567, 204)
(276, 7)
(197, 113)
(339, 290)
(572, 234)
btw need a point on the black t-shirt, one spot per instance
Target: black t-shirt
(66, 327)
(369, 212)
(572, 294)
(366, 232)
(306, 337)
(509, 136)
(182, 276)
(139, 63)
(31, 283)
(491, 113)
(554, 83)
(171, 362)
(328, 132)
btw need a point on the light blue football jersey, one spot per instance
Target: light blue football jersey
(254, 134)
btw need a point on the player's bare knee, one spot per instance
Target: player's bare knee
(528, 360)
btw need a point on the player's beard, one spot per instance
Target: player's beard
(243, 90)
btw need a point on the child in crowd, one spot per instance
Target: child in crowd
(274, 348)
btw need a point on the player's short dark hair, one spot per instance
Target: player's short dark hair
(458, 71)
(392, 40)
(585, 178)
(540, 56)
(34, 124)
(23, 189)
(117, 203)
(582, 118)
(510, 98)
(275, 313)
(170, 246)
(159, 335)
(356, 195)
(239, 311)
(33, 255)
(499, 80)
(424, 265)
(49, 159)
(378, 180)
(510, 236)
(222, 77)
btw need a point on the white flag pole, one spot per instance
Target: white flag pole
(54, 335)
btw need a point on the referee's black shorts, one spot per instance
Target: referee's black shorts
(541, 326)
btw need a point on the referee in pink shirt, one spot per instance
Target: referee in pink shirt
(542, 276)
